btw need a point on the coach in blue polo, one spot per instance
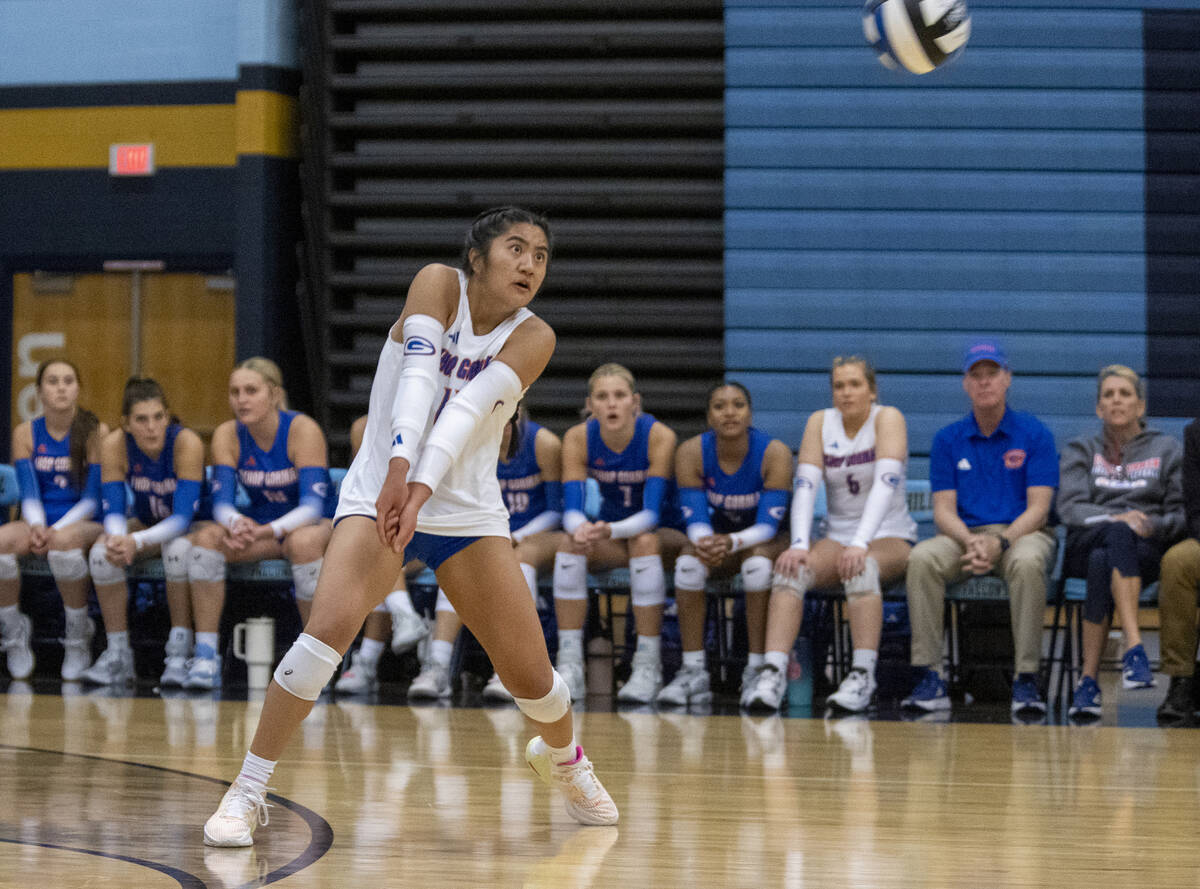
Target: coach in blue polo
(993, 475)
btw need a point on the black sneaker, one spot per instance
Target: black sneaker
(1178, 707)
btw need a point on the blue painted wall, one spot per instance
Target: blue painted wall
(898, 216)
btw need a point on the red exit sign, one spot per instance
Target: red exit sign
(131, 159)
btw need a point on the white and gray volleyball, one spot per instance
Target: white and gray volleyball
(917, 35)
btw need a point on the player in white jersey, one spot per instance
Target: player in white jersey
(859, 450)
(423, 486)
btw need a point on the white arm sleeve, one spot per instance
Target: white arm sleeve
(752, 536)
(304, 514)
(81, 511)
(497, 388)
(115, 524)
(803, 500)
(225, 515)
(697, 531)
(168, 529)
(543, 521)
(33, 512)
(889, 474)
(572, 519)
(638, 523)
(418, 385)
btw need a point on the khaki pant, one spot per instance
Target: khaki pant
(936, 563)
(1177, 586)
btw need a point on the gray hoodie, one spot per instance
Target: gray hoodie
(1149, 478)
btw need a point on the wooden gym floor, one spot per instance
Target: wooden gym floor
(104, 790)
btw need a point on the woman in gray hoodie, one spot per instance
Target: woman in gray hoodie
(1121, 498)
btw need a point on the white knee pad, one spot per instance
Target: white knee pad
(206, 565)
(67, 564)
(550, 708)
(176, 556)
(756, 574)
(8, 567)
(305, 578)
(797, 586)
(690, 573)
(865, 583)
(307, 667)
(530, 574)
(443, 602)
(570, 576)
(647, 583)
(104, 572)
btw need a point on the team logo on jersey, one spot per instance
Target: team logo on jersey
(777, 512)
(250, 461)
(599, 461)
(397, 440)
(41, 449)
(964, 465)
(1014, 459)
(454, 337)
(137, 468)
(418, 345)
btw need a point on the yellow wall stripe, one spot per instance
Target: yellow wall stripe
(261, 122)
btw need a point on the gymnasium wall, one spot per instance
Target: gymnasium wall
(1044, 188)
(212, 84)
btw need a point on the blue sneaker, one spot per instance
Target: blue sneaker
(1086, 699)
(1025, 695)
(930, 694)
(1135, 669)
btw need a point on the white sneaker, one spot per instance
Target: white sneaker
(432, 682)
(408, 629)
(495, 690)
(242, 809)
(688, 686)
(645, 680)
(15, 643)
(854, 694)
(204, 673)
(174, 672)
(571, 670)
(587, 800)
(749, 675)
(113, 667)
(357, 679)
(768, 691)
(77, 653)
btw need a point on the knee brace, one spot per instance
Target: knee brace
(443, 602)
(307, 667)
(690, 573)
(206, 565)
(570, 576)
(67, 564)
(551, 707)
(865, 583)
(647, 585)
(8, 567)
(797, 585)
(756, 574)
(305, 578)
(104, 572)
(176, 554)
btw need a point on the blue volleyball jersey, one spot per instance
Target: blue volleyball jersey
(521, 481)
(621, 476)
(52, 466)
(733, 499)
(152, 480)
(269, 478)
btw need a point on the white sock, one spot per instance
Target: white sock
(693, 660)
(9, 615)
(181, 636)
(559, 755)
(256, 771)
(440, 652)
(77, 619)
(118, 641)
(570, 644)
(776, 659)
(649, 645)
(865, 659)
(755, 660)
(399, 600)
(370, 650)
(212, 640)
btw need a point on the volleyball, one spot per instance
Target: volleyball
(917, 35)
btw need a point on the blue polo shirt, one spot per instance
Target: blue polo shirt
(991, 474)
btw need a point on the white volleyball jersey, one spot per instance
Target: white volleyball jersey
(467, 503)
(849, 473)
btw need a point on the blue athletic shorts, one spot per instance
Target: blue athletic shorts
(433, 549)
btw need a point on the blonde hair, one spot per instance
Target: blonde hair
(269, 371)
(611, 369)
(1125, 373)
(867, 368)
